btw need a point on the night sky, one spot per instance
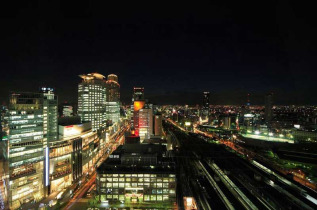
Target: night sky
(175, 50)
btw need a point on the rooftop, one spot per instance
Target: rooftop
(143, 148)
(115, 168)
(114, 165)
(91, 76)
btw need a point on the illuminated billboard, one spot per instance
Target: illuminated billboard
(71, 130)
(138, 105)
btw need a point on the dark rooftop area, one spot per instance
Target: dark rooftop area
(116, 167)
(143, 148)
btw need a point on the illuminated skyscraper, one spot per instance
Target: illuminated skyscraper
(205, 109)
(32, 120)
(4, 128)
(92, 99)
(145, 122)
(50, 114)
(268, 107)
(138, 95)
(137, 105)
(143, 119)
(206, 100)
(113, 98)
(67, 110)
(158, 125)
(4, 172)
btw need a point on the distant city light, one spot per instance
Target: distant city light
(249, 115)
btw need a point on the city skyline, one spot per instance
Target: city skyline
(146, 105)
(182, 97)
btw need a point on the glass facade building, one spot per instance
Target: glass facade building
(137, 173)
(4, 132)
(113, 99)
(50, 113)
(26, 148)
(67, 110)
(137, 187)
(92, 99)
(145, 122)
(143, 119)
(138, 95)
(32, 124)
(113, 111)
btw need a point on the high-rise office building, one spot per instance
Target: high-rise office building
(138, 95)
(50, 113)
(32, 120)
(67, 110)
(145, 124)
(206, 100)
(137, 106)
(158, 125)
(205, 109)
(4, 131)
(92, 99)
(113, 98)
(142, 119)
(268, 107)
(4, 128)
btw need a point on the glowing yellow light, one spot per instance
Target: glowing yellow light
(138, 105)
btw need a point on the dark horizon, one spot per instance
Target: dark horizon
(185, 98)
(175, 52)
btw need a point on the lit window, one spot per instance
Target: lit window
(153, 197)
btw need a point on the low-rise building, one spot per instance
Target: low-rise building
(137, 173)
